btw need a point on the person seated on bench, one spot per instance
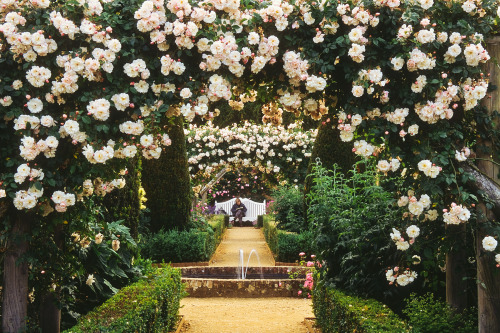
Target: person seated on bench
(239, 211)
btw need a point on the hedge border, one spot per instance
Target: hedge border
(338, 312)
(150, 305)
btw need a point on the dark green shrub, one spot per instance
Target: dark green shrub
(167, 182)
(150, 305)
(338, 312)
(288, 208)
(291, 244)
(428, 315)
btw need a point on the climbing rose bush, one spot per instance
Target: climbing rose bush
(88, 83)
(281, 153)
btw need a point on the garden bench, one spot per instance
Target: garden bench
(254, 209)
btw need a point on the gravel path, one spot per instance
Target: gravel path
(245, 315)
(247, 239)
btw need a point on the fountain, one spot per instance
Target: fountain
(241, 271)
(242, 281)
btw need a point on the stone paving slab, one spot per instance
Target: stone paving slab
(245, 315)
(247, 239)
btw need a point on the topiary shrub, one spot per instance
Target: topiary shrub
(286, 246)
(270, 233)
(167, 183)
(150, 305)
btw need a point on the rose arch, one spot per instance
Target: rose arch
(269, 155)
(87, 85)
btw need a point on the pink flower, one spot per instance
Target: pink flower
(299, 292)
(301, 254)
(310, 264)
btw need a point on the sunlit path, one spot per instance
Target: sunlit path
(247, 239)
(245, 315)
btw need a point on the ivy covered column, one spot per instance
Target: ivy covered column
(167, 183)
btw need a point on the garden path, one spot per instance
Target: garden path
(247, 239)
(244, 315)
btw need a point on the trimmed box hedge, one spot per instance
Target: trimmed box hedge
(184, 246)
(150, 305)
(338, 312)
(286, 246)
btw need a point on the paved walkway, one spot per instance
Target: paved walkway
(244, 315)
(247, 239)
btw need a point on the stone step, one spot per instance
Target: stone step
(224, 282)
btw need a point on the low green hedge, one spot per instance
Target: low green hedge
(270, 233)
(286, 246)
(217, 222)
(338, 312)
(178, 246)
(184, 246)
(150, 305)
(291, 244)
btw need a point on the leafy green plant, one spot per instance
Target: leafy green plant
(352, 217)
(288, 208)
(426, 314)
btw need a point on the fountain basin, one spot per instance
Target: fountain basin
(223, 282)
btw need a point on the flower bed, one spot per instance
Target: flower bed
(338, 312)
(150, 305)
